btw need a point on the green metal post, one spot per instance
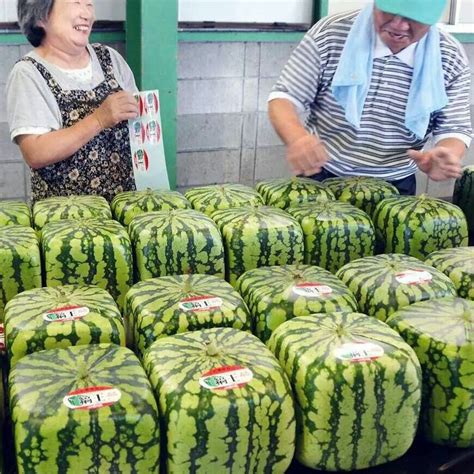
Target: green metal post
(152, 53)
(320, 9)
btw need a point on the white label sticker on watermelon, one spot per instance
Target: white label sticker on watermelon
(358, 352)
(412, 277)
(67, 313)
(200, 303)
(92, 398)
(2, 337)
(226, 378)
(312, 290)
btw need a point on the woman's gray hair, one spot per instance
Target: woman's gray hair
(29, 13)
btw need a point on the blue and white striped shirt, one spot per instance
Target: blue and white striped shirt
(379, 147)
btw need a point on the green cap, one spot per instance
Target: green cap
(423, 11)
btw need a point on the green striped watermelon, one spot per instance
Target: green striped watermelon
(458, 265)
(20, 262)
(357, 386)
(88, 252)
(176, 242)
(84, 409)
(71, 315)
(14, 212)
(70, 207)
(125, 206)
(463, 195)
(286, 192)
(441, 332)
(208, 199)
(361, 191)
(226, 404)
(276, 294)
(258, 237)
(385, 283)
(334, 233)
(419, 225)
(173, 304)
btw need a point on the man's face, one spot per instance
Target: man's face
(398, 32)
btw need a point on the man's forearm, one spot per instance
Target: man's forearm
(456, 146)
(285, 120)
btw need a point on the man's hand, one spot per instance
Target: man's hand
(117, 107)
(306, 155)
(439, 163)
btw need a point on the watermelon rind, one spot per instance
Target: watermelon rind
(20, 262)
(70, 207)
(176, 242)
(361, 191)
(88, 252)
(335, 233)
(458, 265)
(277, 294)
(51, 436)
(213, 426)
(418, 225)
(286, 192)
(258, 237)
(91, 316)
(441, 332)
(463, 195)
(357, 388)
(382, 284)
(208, 199)
(169, 305)
(14, 213)
(129, 204)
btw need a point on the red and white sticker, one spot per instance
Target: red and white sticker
(141, 160)
(2, 337)
(66, 313)
(412, 277)
(153, 131)
(151, 104)
(200, 303)
(312, 290)
(226, 378)
(359, 352)
(92, 397)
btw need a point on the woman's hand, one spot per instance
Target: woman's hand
(118, 107)
(43, 150)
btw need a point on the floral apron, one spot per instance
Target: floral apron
(103, 166)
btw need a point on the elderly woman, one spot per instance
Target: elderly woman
(68, 102)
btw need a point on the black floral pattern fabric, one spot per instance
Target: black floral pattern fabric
(103, 166)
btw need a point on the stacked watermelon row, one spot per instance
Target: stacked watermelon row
(223, 369)
(81, 244)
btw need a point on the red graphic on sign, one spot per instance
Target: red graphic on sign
(141, 105)
(140, 160)
(151, 103)
(153, 131)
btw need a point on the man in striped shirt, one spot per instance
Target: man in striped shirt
(370, 127)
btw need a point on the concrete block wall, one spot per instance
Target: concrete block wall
(223, 132)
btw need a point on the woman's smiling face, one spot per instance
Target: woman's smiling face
(398, 32)
(69, 23)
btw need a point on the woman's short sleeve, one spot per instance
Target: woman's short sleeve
(30, 103)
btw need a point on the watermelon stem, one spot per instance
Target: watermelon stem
(212, 349)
